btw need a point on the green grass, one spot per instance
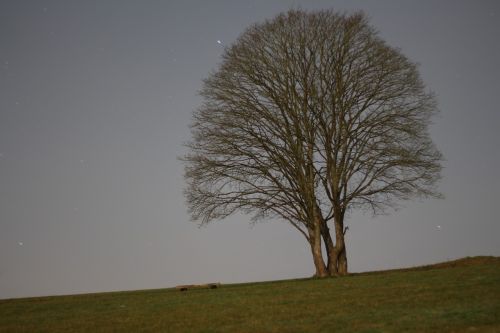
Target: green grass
(459, 296)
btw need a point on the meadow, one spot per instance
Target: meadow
(458, 296)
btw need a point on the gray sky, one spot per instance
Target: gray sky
(95, 102)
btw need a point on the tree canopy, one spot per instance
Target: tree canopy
(310, 115)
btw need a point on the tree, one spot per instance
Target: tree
(309, 116)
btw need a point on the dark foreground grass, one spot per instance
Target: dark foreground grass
(458, 297)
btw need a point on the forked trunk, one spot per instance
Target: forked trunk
(337, 256)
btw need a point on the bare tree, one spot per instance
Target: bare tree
(308, 116)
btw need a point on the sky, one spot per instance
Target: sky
(96, 99)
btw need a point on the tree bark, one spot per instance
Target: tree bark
(315, 242)
(339, 252)
(342, 262)
(336, 252)
(330, 249)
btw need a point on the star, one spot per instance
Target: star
(20, 243)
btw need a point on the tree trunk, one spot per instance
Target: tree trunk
(315, 242)
(330, 250)
(340, 249)
(342, 262)
(337, 256)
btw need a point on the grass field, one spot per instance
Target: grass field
(459, 296)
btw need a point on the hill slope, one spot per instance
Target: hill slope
(455, 296)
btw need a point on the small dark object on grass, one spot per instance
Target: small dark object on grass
(198, 286)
